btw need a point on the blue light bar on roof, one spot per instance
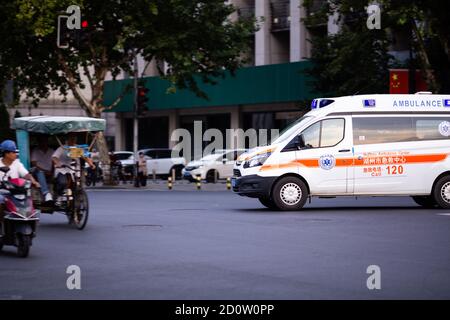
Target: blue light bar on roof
(325, 102)
(369, 103)
(320, 103)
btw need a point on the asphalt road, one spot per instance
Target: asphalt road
(217, 245)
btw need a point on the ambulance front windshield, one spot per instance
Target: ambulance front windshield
(290, 129)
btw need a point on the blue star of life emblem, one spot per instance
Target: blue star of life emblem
(327, 162)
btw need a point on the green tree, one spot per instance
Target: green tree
(428, 23)
(192, 36)
(356, 59)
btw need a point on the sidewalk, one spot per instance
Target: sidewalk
(161, 185)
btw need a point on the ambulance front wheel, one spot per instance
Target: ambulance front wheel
(442, 192)
(290, 193)
(268, 203)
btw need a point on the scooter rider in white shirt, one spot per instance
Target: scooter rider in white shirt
(16, 168)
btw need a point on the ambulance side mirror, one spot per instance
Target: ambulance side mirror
(300, 141)
(297, 143)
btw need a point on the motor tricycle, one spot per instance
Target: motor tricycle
(74, 201)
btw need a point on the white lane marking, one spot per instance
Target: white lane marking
(443, 214)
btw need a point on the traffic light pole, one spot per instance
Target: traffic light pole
(136, 122)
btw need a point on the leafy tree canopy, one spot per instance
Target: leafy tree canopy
(191, 36)
(356, 59)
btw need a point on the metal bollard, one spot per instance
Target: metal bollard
(173, 175)
(169, 183)
(199, 182)
(228, 183)
(154, 175)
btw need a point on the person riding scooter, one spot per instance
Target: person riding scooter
(9, 159)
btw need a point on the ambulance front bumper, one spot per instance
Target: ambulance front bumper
(252, 186)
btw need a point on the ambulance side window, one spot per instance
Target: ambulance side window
(332, 132)
(322, 134)
(373, 130)
(311, 136)
(432, 128)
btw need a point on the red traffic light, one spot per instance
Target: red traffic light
(142, 91)
(84, 24)
(142, 100)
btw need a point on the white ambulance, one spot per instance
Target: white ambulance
(365, 145)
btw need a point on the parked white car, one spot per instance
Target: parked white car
(218, 165)
(126, 158)
(161, 162)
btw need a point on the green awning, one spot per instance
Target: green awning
(58, 125)
(277, 83)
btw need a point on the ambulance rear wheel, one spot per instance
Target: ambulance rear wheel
(442, 192)
(425, 201)
(268, 203)
(290, 193)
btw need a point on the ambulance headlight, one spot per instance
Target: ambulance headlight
(257, 160)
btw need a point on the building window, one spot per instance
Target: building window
(280, 15)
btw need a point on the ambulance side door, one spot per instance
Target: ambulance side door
(382, 144)
(326, 160)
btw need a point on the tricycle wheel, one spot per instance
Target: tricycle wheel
(81, 212)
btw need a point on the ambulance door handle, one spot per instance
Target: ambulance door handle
(344, 150)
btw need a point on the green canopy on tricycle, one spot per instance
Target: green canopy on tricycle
(49, 125)
(58, 125)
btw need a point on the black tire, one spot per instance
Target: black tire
(289, 193)
(268, 203)
(210, 176)
(23, 249)
(425, 201)
(441, 192)
(81, 212)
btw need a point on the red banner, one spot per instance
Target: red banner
(399, 81)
